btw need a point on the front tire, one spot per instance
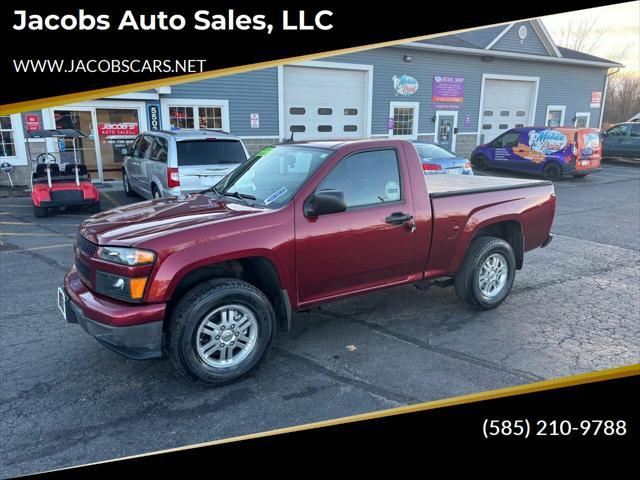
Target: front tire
(487, 273)
(552, 171)
(480, 163)
(220, 331)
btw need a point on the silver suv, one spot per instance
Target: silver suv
(166, 163)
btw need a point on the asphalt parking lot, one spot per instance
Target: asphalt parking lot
(67, 400)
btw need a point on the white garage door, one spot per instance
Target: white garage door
(507, 104)
(324, 103)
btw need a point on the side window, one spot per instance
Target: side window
(159, 150)
(635, 131)
(135, 147)
(366, 178)
(507, 140)
(143, 145)
(618, 131)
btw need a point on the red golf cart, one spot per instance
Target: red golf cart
(54, 184)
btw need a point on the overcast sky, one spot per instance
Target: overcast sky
(622, 24)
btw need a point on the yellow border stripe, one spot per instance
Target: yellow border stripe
(581, 379)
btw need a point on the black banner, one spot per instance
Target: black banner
(68, 47)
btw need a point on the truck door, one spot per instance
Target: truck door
(373, 242)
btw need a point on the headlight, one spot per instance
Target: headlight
(127, 256)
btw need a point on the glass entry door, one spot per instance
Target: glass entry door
(116, 128)
(82, 120)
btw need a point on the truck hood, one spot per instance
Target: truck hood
(133, 224)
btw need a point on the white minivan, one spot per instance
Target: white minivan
(173, 162)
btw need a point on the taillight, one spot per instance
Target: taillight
(574, 150)
(173, 177)
(431, 167)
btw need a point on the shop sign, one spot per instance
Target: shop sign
(596, 99)
(118, 128)
(254, 119)
(32, 122)
(153, 112)
(447, 89)
(404, 85)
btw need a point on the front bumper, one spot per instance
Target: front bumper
(112, 323)
(67, 203)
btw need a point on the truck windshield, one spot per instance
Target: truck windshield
(274, 174)
(193, 153)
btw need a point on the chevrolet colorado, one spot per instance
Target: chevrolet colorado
(206, 279)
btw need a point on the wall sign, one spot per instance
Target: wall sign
(447, 91)
(390, 123)
(467, 121)
(254, 119)
(153, 112)
(596, 99)
(119, 128)
(32, 122)
(404, 85)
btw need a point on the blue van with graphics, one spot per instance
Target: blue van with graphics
(549, 151)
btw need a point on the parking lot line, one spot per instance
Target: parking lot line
(44, 247)
(111, 200)
(17, 223)
(12, 234)
(18, 206)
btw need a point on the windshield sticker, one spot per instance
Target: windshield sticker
(274, 196)
(264, 151)
(392, 191)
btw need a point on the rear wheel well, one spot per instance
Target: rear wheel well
(258, 271)
(511, 232)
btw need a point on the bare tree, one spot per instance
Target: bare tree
(623, 99)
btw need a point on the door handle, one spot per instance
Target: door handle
(398, 218)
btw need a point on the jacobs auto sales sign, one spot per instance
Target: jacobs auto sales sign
(118, 128)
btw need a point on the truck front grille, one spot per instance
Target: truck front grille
(83, 269)
(85, 246)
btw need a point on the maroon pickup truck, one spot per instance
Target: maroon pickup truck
(208, 278)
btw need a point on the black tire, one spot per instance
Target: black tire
(192, 310)
(467, 280)
(552, 171)
(480, 163)
(155, 193)
(126, 185)
(580, 175)
(39, 212)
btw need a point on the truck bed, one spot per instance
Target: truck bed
(448, 185)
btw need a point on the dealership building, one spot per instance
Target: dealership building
(457, 90)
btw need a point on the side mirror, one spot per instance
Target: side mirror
(124, 151)
(325, 202)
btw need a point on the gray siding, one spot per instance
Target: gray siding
(560, 84)
(532, 44)
(251, 92)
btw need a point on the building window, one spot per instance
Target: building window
(325, 111)
(504, 113)
(297, 111)
(297, 128)
(210, 117)
(7, 142)
(405, 119)
(582, 119)
(350, 111)
(195, 114)
(181, 117)
(555, 115)
(324, 128)
(488, 113)
(350, 128)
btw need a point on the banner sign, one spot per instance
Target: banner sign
(447, 89)
(596, 99)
